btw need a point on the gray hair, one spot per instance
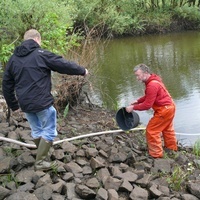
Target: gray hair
(32, 34)
(142, 67)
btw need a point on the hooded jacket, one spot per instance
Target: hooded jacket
(27, 78)
(155, 94)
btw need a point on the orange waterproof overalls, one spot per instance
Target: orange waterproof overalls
(161, 123)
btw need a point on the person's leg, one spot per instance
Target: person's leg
(43, 124)
(43, 149)
(37, 141)
(153, 137)
(169, 136)
(35, 125)
(48, 121)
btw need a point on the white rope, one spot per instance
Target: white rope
(95, 134)
(192, 134)
(18, 142)
(84, 136)
(67, 139)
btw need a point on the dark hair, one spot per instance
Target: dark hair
(142, 67)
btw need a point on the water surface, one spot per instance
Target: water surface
(175, 57)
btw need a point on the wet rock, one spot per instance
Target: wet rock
(4, 192)
(194, 188)
(22, 195)
(5, 164)
(138, 193)
(112, 194)
(126, 186)
(93, 183)
(154, 191)
(85, 192)
(108, 167)
(73, 167)
(189, 197)
(162, 165)
(102, 194)
(96, 163)
(112, 183)
(44, 192)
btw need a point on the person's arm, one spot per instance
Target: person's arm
(147, 101)
(59, 64)
(8, 86)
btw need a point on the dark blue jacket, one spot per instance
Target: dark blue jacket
(27, 77)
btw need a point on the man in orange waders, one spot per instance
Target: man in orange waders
(161, 124)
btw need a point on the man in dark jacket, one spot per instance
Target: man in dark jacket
(26, 85)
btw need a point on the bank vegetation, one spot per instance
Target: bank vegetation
(65, 24)
(70, 27)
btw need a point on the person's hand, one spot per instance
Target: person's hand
(129, 109)
(86, 72)
(17, 111)
(18, 115)
(133, 103)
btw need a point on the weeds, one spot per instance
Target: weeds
(176, 179)
(196, 148)
(11, 152)
(7, 178)
(179, 176)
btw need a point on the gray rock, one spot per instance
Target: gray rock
(22, 196)
(85, 192)
(112, 183)
(92, 183)
(102, 194)
(194, 188)
(154, 191)
(112, 194)
(91, 152)
(3, 192)
(138, 193)
(189, 197)
(73, 167)
(126, 186)
(5, 165)
(162, 165)
(96, 163)
(103, 167)
(44, 192)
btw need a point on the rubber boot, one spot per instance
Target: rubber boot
(42, 152)
(37, 141)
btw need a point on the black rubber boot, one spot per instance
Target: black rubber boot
(42, 152)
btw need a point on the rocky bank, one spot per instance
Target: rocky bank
(110, 166)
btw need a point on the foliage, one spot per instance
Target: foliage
(6, 51)
(177, 178)
(196, 148)
(8, 178)
(106, 17)
(62, 21)
(157, 20)
(66, 110)
(12, 152)
(68, 24)
(51, 18)
(189, 13)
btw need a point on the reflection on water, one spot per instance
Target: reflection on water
(175, 57)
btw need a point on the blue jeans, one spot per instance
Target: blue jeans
(43, 124)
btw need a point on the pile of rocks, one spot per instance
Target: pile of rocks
(108, 166)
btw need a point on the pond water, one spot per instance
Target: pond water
(175, 57)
